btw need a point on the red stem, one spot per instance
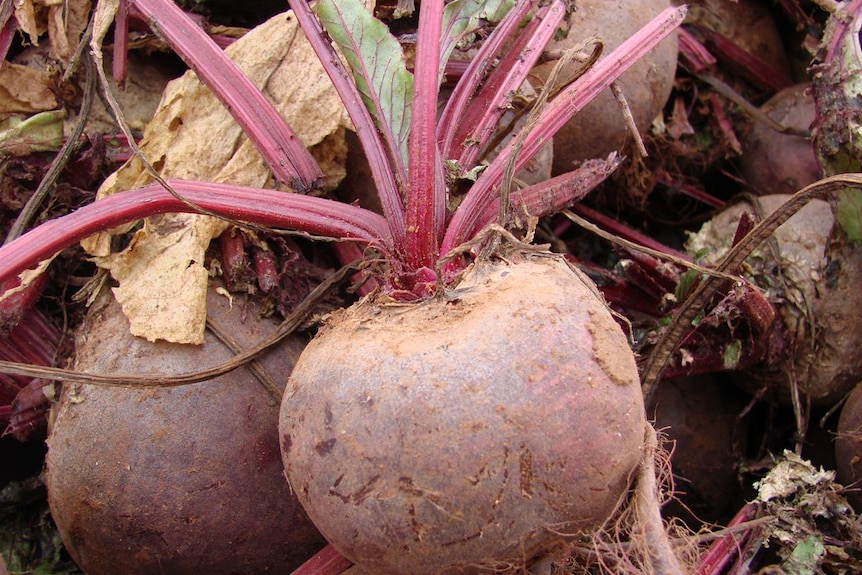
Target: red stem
(722, 551)
(473, 77)
(558, 111)
(285, 154)
(297, 212)
(120, 60)
(426, 196)
(494, 100)
(385, 179)
(560, 192)
(328, 561)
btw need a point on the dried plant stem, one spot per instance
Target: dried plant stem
(661, 556)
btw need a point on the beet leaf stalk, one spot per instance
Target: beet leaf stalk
(372, 102)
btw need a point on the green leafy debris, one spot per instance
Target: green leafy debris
(849, 213)
(42, 132)
(731, 354)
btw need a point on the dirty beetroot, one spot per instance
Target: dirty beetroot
(176, 479)
(470, 430)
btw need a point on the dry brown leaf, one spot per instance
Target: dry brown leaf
(193, 136)
(25, 14)
(66, 21)
(24, 90)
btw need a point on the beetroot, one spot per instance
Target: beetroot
(848, 446)
(472, 429)
(507, 411)
(813, 287)
(778, 162)
(176, 480)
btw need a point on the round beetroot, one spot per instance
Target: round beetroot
(773, 162)
(174, 480)
(473, 429)
(848, 446)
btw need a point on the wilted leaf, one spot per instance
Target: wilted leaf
(162, 278)
(66, 22)
(25, 15)
(790, 475)
(24, 90)
(40, 133)
(378, 65)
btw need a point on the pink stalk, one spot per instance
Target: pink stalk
(748, 65)
(556, 114)
(426, 195)
(33, 341)
(312, 215)
(849, 13)
(387, 180)
(722, 551)
(121, 43)
(619, 229)
(556, 194)
(453, 120)
(14, 307)
(486, 108)
(693, 55)
(285, 154)
(328, 561)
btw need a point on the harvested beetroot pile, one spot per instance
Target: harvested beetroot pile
(467, 286)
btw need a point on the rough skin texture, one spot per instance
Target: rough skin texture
(178, 480)
(465, 431)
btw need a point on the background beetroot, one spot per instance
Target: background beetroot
(600, 127)
(175, 480)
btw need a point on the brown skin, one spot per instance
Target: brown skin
(175, 480)
(468, 430)
(848, 447)
(773, 162)
(701, 416)
(599, 128)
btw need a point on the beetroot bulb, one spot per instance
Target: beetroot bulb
(471, 430)
(181, 479)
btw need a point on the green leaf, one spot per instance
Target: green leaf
(732, 353)
(806, 558)
(462, 17)
(378, 66)
(849, 213)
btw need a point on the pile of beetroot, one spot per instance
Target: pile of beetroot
(583, 301)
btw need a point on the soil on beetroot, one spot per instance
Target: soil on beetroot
(726, 436)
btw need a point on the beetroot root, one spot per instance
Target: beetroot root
(468, 432)
(175, 480)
